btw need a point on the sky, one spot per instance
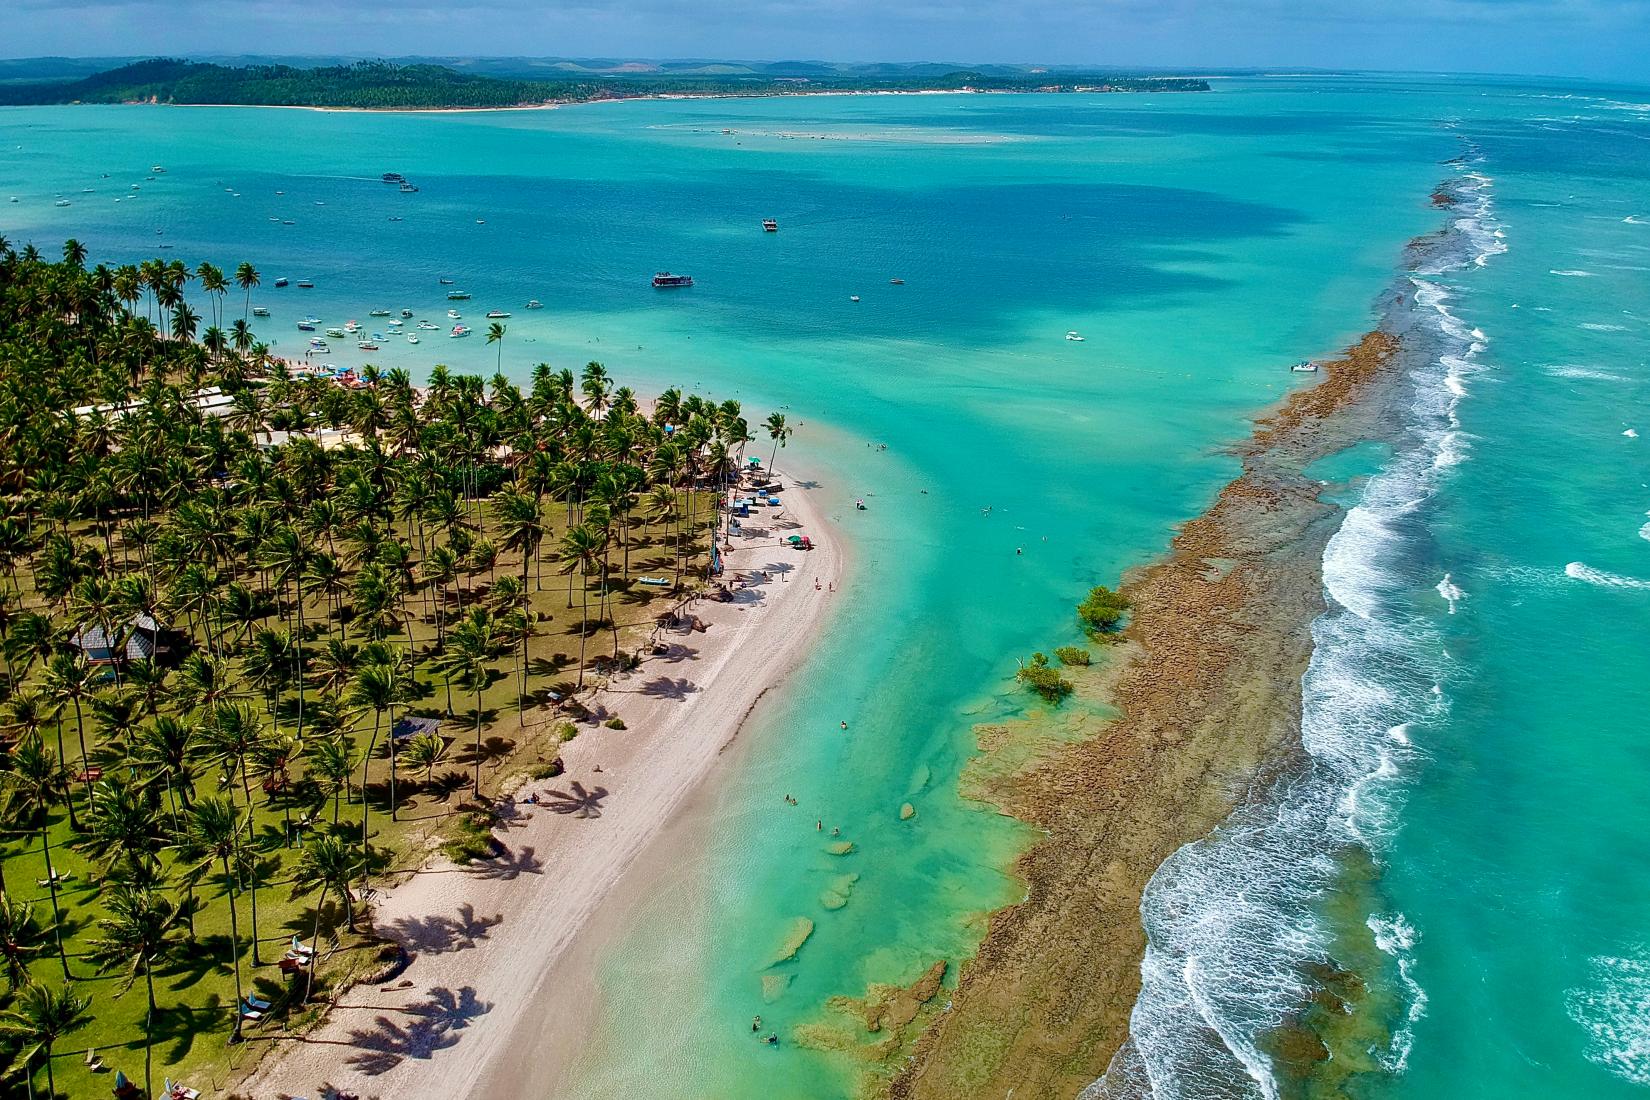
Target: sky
(1601, 39)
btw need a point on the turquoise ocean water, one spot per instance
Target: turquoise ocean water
(1201, 244)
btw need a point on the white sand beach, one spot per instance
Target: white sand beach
(491, 941)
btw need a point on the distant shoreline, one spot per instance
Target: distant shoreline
(557, 104)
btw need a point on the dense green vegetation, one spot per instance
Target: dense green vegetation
(385, 85)
(171, 823)
(1041, 677)
(1101, 612)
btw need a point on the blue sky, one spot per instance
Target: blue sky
(1592, 38)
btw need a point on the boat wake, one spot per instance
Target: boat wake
(1580, 572)
(1234, 930)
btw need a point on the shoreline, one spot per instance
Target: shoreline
(1207, 680)
(493, 943)
(557, 104)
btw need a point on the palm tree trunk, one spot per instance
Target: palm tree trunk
(234, 945)
(57, 913)
(477, 788)
(366, 810)
(149, 1033)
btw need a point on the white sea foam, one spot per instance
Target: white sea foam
(1631, 433)
(1231, 918)
(1644, 532)
(1451, 592)
(1599, 326)
(1634, 219)
(1613, 1008)
(1573, 274)
(1582, 572)
(1591, 374)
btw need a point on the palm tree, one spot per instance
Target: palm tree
(581, 549)
(331, 863)
(212, 831)
(521, 523)
(332, 762)
(69, 680)
(378, 687)
(474, 642)
(779, 432)
(20, 937)
(495, 335)
(39, 1018)
(34, 783)
(246, 277)
(425, 751)
(141, 927)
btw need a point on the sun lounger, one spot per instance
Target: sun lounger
(250, 1013)
(258, 1003)
(93, 1062)
(177, 1090)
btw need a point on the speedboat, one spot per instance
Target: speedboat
(312, 320)
(352, 326)
(428, 327)
(411, 338)
(1305, 366)
(769, 225)
(459, 330)
(289, 221)
(306, 284)
(61, 202)
(367, 345)
(379, 313)
(496, 314)
(406, 313)
(157, 170)
(853, 297)
(396, 322)
(260, 311)
(533, 303)
(454, 314)
(306, 326)
(280, 282)
(1074, 336)
(458, 295)
(446, 282)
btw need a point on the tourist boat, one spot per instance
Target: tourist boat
(393, 177)
(1305, 366)
(534, 303)
(897, 282)
(305, 326)
(1074, 337)
(312, 320)
(454, 314)
(379, 313)
(336, 333)
(319, 344)
(352, 326)
(446, 282)
(769, 225)
(458, 296)
(61, 202)
(496, 314)
(396, 322)
(306, 284)
(406, 313)
(289, 221)
(664, 280)
(367, 345)
(459, 330)
(407, 188)
(412, 339)
(260, 311)
(157, 170)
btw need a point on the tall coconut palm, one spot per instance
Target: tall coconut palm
(246, 277)
(20, 937)
(581, 549)
(38, 1018)
(495, 335)
(212, 832)
(141, 927)
(377, 688)
(32, 787)
(472, 644)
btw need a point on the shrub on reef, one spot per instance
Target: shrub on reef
(1102, 611)
(1046, 681)
(1073, 655)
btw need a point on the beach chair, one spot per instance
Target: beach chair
(300, 948)
(93, 1062)
(250, 1013)
(257, 1003)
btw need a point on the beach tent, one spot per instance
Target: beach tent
(409, 726)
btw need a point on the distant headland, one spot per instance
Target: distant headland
(384, 85)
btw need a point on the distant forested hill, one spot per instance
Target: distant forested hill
(382, 84)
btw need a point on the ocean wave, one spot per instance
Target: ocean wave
(1591, 374)
(1574, 274)
(1579, 571)
(1451, 592)
(1231, 919)
(1613, 1008)
(1599, 326)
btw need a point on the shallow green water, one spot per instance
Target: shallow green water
(1201, 244)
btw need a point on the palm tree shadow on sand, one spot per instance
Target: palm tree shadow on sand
(579, 802)
(434, 1025)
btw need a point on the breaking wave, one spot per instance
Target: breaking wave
(1230, 919)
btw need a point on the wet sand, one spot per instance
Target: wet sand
(1207, 681)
